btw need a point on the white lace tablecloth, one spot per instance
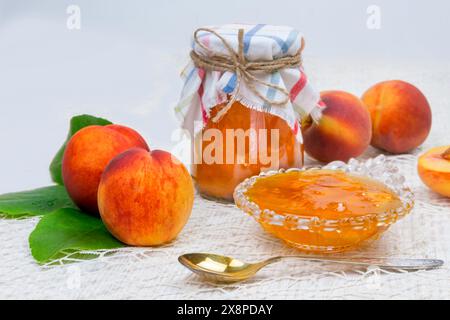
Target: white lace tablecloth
(155, 273)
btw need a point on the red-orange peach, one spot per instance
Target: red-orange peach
(145, 198)
(343, 131)
(86, 156)
(434, 169)
(401, 116)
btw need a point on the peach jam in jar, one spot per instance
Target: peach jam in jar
(253, 141)
(244, 95)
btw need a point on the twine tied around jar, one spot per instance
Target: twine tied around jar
(237, 63)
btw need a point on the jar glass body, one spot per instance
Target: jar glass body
(241, 144)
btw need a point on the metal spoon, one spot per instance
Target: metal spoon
(227, 269)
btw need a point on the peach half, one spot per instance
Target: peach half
(434, 169)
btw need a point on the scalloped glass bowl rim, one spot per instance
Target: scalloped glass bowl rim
(370, 168)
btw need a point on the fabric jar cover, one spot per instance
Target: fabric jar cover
(204, 90)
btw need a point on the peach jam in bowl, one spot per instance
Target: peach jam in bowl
(329, 209)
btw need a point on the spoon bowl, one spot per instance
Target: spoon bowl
(218, 268)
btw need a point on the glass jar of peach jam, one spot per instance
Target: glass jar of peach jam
(243, 98)
(253, 141)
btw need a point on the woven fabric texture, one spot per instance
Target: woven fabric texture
(154, 273)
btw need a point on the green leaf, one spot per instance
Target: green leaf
(66, 231)
(34, 202)
(76, 123)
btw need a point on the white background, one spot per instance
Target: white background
(123, 63)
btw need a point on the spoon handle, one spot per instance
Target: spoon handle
(384, 263)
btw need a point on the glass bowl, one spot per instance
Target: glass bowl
(314, 234)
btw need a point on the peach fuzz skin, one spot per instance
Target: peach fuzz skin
(87, 155)
(145, 198)
(343, 132)
(434, 170)
(401, 116)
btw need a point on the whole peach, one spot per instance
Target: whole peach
(145, 198)
(401, 116)
(343, 131)
(86, 156)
